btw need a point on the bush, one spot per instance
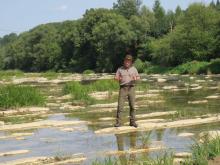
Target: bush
(140, 65)
(19, 96)
(193, 67)
(88, 72)
(214, 66)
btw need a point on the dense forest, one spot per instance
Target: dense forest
(101, 38)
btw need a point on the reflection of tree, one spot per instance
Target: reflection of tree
(159, 134)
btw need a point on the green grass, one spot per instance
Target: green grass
(165, 159)
(81, 91)
(6, 74)
(19, 96)
(203, 152)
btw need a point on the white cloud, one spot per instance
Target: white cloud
(62, 8)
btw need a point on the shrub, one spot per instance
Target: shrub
(88, 72)
(214, 66)
(193, 67)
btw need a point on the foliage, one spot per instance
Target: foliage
(101, 38)
(20, 96)
(81, 91)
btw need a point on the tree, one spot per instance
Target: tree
(105, 37)
(160, 26)
(127, 8)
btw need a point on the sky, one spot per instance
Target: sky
(21, 15)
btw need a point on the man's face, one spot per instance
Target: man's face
(127, 63)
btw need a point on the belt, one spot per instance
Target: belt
(126, 86)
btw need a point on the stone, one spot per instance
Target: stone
(213, 97)
(161, 80)
(161, 125)
(198, 102)
(134, 151)
(186, 134)
(156, 114)
(210, 134)
(183, 155)
(2, 123)
(41, 124)
(10, 153)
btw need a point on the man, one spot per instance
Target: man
(127, 75)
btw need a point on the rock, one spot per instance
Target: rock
(71, 107)
(10, 153)
(200, 81)
(170, 87)
(156, 114)
(154, 91)
(41, 124)
(65, 97)
(146, 95)
(134, 151)
(2, 123)
(213, 97)
(198, 102)
(186, 134)
(102, 110)
(196, 88)
(161, 80)
(110, 105)
(102, 95)
(73, 159)
(161, 125)
(106, 118)
(53, 105)
(183, 155)
(17, 136)
(26, 110)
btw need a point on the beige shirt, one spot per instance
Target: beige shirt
(127, 75)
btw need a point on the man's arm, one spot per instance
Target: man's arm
(118, 76)
(136, 75)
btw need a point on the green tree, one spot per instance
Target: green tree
(160, 26)
(127, 8)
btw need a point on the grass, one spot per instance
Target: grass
(192, 67)
(12, 96)
(81, 91)
(6, 74)
(165, 159)
(203, 152)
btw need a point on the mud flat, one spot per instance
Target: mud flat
(77, 158)
(152, 126)
(41, 124)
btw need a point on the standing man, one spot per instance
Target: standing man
(127, 75)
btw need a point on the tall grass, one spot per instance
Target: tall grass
(19, 96)
(10, 73)
(203, 152)
(165, 159)
(81, 91)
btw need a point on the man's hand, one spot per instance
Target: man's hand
(118, 78)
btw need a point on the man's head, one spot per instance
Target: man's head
(128, 61)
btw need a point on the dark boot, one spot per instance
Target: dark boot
(133, 123)
(118, 123)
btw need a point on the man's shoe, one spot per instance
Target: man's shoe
(117, 125)
(133, 124)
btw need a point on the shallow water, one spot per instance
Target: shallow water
(54, 142)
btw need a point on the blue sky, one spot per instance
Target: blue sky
(21, 15)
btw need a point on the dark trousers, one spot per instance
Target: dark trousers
(127, 92)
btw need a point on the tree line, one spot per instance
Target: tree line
(101, 38)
